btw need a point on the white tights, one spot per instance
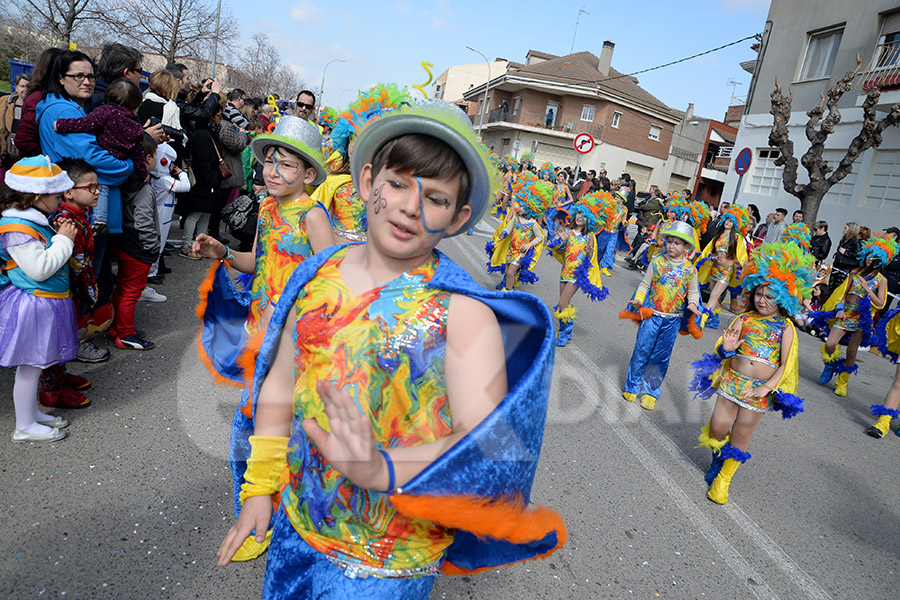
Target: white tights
(25, 399)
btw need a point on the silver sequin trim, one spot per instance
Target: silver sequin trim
(358, 571)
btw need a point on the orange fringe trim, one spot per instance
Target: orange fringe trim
(206, 287)
(204, 358)
(500, 519)
(246, 360)
(644, 313)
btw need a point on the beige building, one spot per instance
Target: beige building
(457, 80)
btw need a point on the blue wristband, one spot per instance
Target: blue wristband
(726, 353)
(390, 466)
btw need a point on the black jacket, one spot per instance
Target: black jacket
(140, 223)
(820, 246)
(892, 273)
(848, 260)
(191, 112)
(204, 163)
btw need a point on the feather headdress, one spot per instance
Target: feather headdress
(534, 196)
(327, 117)
(797, 233)
(881, 248)
(547, 167)
(597, 209)
(739, 217)
(370, 105)
(786, 269)
(528, 157)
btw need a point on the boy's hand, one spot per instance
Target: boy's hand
(731, 339)
(636, 303)
(256, 514)
(67, 228)
(693, 308)
(209, 247)
(350, 446)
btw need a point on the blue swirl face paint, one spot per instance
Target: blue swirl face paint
(277, 171)
(422, 213)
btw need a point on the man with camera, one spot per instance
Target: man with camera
(205, 102)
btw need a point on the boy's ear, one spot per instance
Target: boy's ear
(310, 176)
(364, 185)
(459, 220)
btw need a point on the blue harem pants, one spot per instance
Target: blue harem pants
(652, 350)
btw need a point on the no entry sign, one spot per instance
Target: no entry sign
(584, 143)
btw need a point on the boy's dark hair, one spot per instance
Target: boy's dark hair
(124, 93)
(823, 225)
(75, 168)
(424, 156)
(783, 211)
(150, 145)
(115, 58)
(59, 66)
(235, 94)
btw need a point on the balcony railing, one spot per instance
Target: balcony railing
(883, 71)
(538, 120)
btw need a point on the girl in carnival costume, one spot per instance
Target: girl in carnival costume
(526, 162)
(558, 213)
(850, 309)
(337, 192)
(608, 237)
(546, 172)
(887, 339)
(327, 120)
(577, 251)
(518, 242)
(508, 168)
(722, 258)
(754, 368)
(37, 316)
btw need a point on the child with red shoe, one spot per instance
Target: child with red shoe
(137, 248)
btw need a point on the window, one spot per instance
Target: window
(655, 130)
(438, 90)
(820, 52)
(841, 192)
(888, 49)
(587, 113)
(516, 105)
(766, 177)
(487, 105)
(617, 116)
(884, 189)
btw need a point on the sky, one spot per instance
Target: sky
(387, 41)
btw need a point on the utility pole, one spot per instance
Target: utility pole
(580, 11)
(212, 74)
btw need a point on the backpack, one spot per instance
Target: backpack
(239, 213)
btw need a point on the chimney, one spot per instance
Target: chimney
(606, 57)
(689, 113)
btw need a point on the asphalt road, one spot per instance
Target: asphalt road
(135, 502)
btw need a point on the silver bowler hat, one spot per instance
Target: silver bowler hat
(441, 120)
(681, 230)
(297, 135)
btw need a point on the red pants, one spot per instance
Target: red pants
(130, 283)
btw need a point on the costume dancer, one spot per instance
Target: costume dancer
(607, 238)
(508, 166)
(849, 311)
(668, 288)
(754, 369)
(887, 339)
(577, 251)
(518, 242)
(721, 260)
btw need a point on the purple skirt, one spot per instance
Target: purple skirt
(36, 331)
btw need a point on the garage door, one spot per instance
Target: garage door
(641, 175)
(677, 183)
(560, 156)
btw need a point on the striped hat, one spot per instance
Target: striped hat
(38, 175)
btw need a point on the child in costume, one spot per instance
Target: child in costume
(887, 340)
(558, 213)
(608, 237)
(37, 317)
(577, 251)
(337, 193)
(509, 167)
(517, 243)
(668, 288)
(754, 369)
(393, 356)
(167, 179)
(722, 258)
(850, 309)
(327, 119)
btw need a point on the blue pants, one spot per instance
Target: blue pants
(652, 351)
(295, 570)
(606, 249)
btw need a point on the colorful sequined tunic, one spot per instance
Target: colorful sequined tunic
(856, 291)
(761, 339)
(281, 244)
(721, 272)
(670, 285)
(386, 348)
(576, 252)
(522, 233)
(349, 212)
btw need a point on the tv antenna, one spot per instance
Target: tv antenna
(733, 83)
(580, 11)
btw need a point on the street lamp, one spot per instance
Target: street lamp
(322, 86)
(486, 86)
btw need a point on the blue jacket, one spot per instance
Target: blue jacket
(110, 170)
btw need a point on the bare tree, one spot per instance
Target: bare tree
(817, 132)
(61, 17)
(169, 27)
(261, 72)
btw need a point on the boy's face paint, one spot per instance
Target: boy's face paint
(284, 173)
(675, 247)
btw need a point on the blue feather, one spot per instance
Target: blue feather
(841, 367)
(526, 264)
(244, 281)
(584, 283)
(879, 338)
(789, 404)
(879, 410)
(819, 320)
(704, 369)
(734, 453)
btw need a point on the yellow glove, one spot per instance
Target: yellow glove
(268, 459)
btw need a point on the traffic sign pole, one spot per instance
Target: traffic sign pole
(741, 166)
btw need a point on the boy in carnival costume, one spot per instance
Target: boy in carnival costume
(849, 311)
(338, 193)
(668, 288)
(379, 388)
(887, 340)
(721, 260)
(755, 367)
(577, 251)
(518, 242)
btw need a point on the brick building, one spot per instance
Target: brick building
(549, 99)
